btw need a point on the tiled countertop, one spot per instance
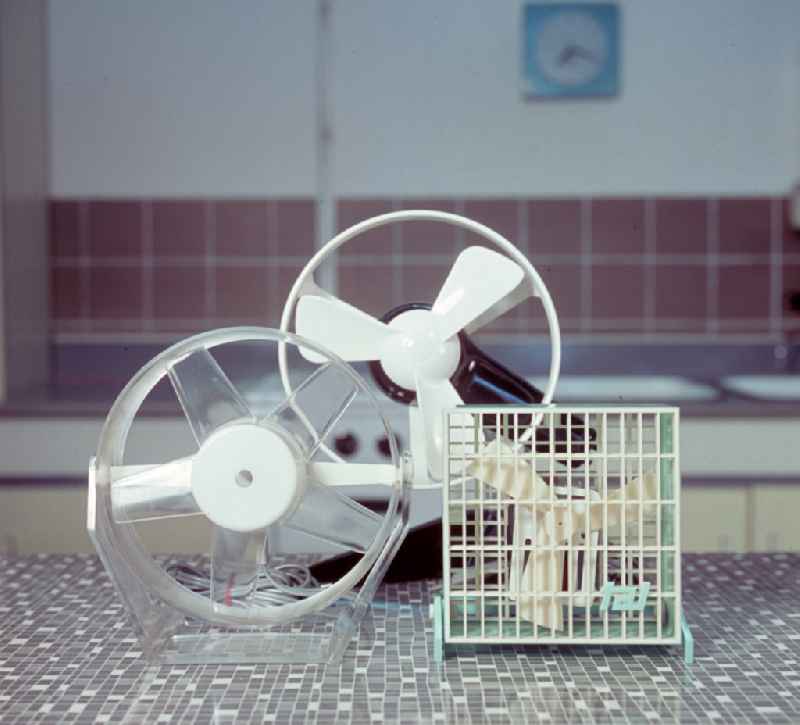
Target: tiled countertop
(68, 654)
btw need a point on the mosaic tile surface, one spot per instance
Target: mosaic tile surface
(68, 655)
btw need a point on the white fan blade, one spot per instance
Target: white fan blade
(353, 474)
(237, 559)
(327, 514)
(315, 406)
(478, 280)
(345, 330)
(141, 493)
(433, 398)
(517, 296)
(207, 397)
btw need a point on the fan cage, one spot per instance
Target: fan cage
(627, 537)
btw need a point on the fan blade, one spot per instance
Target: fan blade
(434, 397)
(478, 280)
(316, 406)
(141, 493)
(353, 474)
(329, 515)
(237, 558)
(207, 397)
(345, 330)
(517, 296)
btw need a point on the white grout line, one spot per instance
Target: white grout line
(522, 243)
(712, 256)
(209, 217)
(71, 337)
(776, 265)
(84, 250)
(148, 271)
(649, 271)
(586, 263)
(272, 241)
(367, 260)
(398, 261)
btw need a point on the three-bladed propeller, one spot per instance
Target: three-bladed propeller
(419, 349)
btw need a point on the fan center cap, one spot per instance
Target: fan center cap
(246, 476)
(418, 349)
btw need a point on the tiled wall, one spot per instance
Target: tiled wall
(704, 267)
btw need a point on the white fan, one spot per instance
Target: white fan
(418, 350)
(256, 467)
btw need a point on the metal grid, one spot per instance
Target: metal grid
(561, 525)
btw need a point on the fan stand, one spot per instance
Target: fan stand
(179, 624)
(169, 637)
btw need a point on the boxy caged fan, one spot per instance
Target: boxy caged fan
(421, 354)
(259, 464)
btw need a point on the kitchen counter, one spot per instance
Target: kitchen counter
(68, 654)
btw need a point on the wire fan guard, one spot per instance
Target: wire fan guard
(260, 466)
(562, 542)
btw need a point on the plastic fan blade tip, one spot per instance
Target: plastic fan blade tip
(478, 280)
(237, 559)
(329, 515)
(208, 398)
(350, 333)
(143, 493)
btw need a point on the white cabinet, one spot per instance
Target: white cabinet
(714, 518)
(775, 513)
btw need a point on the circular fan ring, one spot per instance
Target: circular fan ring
(224, 427)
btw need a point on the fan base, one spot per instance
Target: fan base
(254, 647)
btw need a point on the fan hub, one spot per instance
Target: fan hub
(419, 349)
(246, 476)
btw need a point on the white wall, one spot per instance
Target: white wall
(211, 98)
(182, 97)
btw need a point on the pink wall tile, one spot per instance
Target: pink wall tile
(681, 291)
(65, 229)
(295, 227)
(179, 292)
(791, 287)
(242, 293)
(370, 288)
(241, 228)
(501, 215)
(744, 292)
(617, 292)
(115, 292)
(422, 282)
(428, 237)
(681, 226)
(564, 284)
(554, 227)
(791, 237)
(281, 280)
(617, 226)
(744, 226)
(179, 228)
(65, 292)
(375, 242)
(115, 228)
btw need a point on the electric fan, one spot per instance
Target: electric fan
(421, 354)
(260, 464)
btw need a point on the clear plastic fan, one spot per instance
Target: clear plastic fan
(259, 465)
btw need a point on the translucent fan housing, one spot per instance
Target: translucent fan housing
(260, 466)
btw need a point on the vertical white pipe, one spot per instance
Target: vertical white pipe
(325, 206)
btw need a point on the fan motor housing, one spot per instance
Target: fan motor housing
(449, 358)
(247, 476)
